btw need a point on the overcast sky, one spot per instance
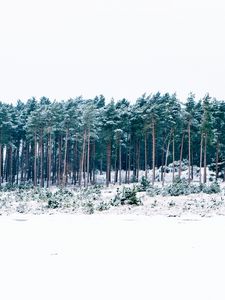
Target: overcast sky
(119, 48)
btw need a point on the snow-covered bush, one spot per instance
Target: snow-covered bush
(101, 206)
(152, 191)
(144, 184)
(88, 207)
(213, 188)
(178, 187)
(134, 179)
(127, 196)
(59, 198)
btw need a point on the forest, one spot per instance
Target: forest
(68, 142)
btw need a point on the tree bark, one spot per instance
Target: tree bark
(173, 158)
(129, 161)
(35, 158)
(189, 152)
(41, 158)
(59, 160)
(200, 167)
(115, 163)
(49, 158)
(88, 156)
(82, 159)
(181, 154)
(153, 153)
(146, 155)
(108, 163)
(93, 157)
(138, 159)
(65, 159)
(0, 157)
(120, 161)
(217, 157)
(162, 158)
(205, 162)
(167, 153)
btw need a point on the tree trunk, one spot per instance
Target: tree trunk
(108, 166)
(181, 154)
(101, 163)
(162, 158)
(205, 163)
(153, 153)
(146, 155)
(173, 158)
(138, 159)
(35, 159)
(59, 161)
(17, 163)
(0, 157)
(10, 164)
(49, 158)
(41, 158)
(82, 159)
(75, 168)
(126, 164)
(0, 163)
(115, 163)
(167, 153)
(200, 171)
(120, 162)
(93, 156)
(189, 152)
(129, 161)
(217, 157)
(65, 159)
(88, 156)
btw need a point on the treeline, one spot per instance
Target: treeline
(68, 142)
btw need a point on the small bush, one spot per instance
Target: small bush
(152, 191)
(127, 196)
(213, 188)
(134, 179)
(181, 187)
(102, 206)
(144, 184)
(178, 187)
(88, 207)
(54, 203)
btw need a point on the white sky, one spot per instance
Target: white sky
(119, 48)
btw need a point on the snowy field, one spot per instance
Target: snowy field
(66, 256)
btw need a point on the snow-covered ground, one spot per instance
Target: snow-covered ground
(65, 256)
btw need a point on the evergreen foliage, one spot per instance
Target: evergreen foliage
(67, 142)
